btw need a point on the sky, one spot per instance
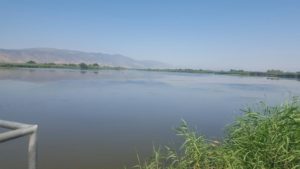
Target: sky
(206, 34)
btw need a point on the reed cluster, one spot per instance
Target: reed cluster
(262, 138)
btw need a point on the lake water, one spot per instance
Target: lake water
(99, 120)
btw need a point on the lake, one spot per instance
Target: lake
(100, 120)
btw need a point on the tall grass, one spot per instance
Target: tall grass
(263, 138)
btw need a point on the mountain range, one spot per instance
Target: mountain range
(63, 56)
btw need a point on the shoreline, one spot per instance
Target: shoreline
(270, 74)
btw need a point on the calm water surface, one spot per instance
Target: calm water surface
(99, 120)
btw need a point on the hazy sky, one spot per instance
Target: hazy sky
(211, 34)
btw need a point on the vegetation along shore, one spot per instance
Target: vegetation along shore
(33, 64)
(270, 73)
(262, 138)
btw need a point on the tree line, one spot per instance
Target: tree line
(34, 64)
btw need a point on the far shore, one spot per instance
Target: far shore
(272, 74)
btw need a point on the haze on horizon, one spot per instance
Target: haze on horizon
(250, 35)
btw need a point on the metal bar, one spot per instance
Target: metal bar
(32, 149)
(19, 130)
(12, 125)
(17, 133)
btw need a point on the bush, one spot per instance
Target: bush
(265, 138)
(31, 62)
(83, 66)
(95, 65)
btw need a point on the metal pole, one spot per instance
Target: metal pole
(12, 124)
(32, 149)
(16, 133)
(19, 130)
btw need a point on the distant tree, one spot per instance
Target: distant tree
(275, 72)
(298, 75)
(83, 66)
(72, 65)
(236, 71)
(95, 65)
(31, 62)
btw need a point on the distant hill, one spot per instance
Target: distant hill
(60, 56)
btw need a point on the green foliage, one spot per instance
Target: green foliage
(265, 138)
(58, 66)
(83, 66)
(269, 73)
(274, 72)
(31, 62)
(95, 65)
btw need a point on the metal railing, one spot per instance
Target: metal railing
(20, 130)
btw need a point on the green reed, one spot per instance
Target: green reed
(262, 138)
